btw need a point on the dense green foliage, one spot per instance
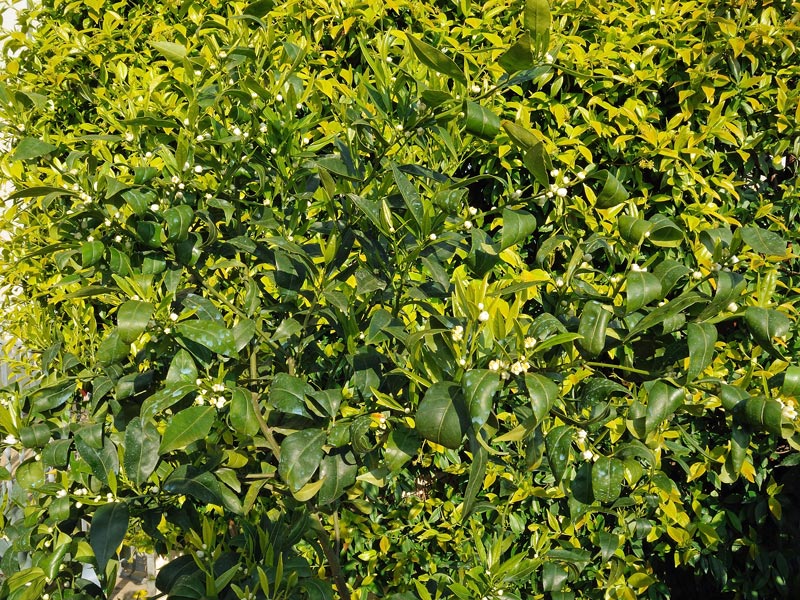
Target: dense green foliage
(378, 300)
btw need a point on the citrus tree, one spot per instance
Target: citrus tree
(368, 300)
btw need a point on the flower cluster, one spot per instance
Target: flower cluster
(215, 399)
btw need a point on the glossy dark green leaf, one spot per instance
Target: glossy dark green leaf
(543, 393)
(766, 324)
(607, 476)
(91, 253)
(477, 471)
(554, 576)
(791, 381)
(520, 135)
(662, 313)
(187, 426)
(103, 462)
(56, 453)
(442, 416)
(740, 441)
(328, 400)
(479, 387)
(209, 334)
(191, 481)
(53, 396)
(112, 349)
(763, 241)
(598, 389)
(518, 56)
(178, 220)
(762, 413)
(593, 325)
(669, 272)
(483, 254)
(581, 484)
(182, 369)
(558, 442)
(729, 288)
(164, 399)
(701, 338)
(480, 121)
(664, 232)
(633, 229)
(612, 193)
(287, 394)
(29, 148)
(537, 161)
(662, 401)
(435, 59)
(132, 319)
(400, 447)
(34, 436)
(338, 472)
(141, 450)
(108, 528)
(641, 288)
(169, 574)
(411, 197)
(242, 413)
(517, 226)
(537, 23)
(301, 453)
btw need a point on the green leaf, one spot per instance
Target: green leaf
(665, 232)
(607, 475)
(108, 528)
(558, 442)
(91, 253)
(338, 474)
(410, 196)
(612, 194)
(132, 319)
(187, 426)
(301, 453)
(50, 397)
(729, 288)
(400, 447)
(598, 389)
(701, 338)
(633, 229)
(762, 413)
(537, 22)
(442, 416)
(242, 413)
(163, 399)
(178, 220)
(592, 326)
(209, 334)
(766, 324)
(518, 56)
(170, 50)
(35, 436)
(479, 387)
(480, 121)
(182, 369)
(521, 136)
(29, 148)
(669, 272)
(791, 381)
(112, 349)
(191, 481)
(517, 226)
(763, 241)
(663, 399)
(662, 313)
(641, 288)
(287, 394)
(104, 462)
(477, 471)
(435, 59)
(542, 392)
(141, 450)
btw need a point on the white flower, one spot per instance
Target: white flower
(457, 333)
(399, 127)
(587, 455)
(581, 435)
(128, 136)
(483, 316)
(468, 225)
(632, 65)
(198, 169)
(61, 493)
(173, 317)
(432, 237)
(279, 98)
(559, 282)
(581, 175)
(200, 554)
(237, 131)
(154, 207)
(476, 89)
(697, 275)
(520, 366)
(181, 186)
(555, 173)
(299, 106)
(548, 58)
(494, 365)
(480, 306)
(186, 122)
(472, 211)
(517, 194)
(306, 141)
(733, 307)
(273, 151)
(219, 401)
(789, 413)
(148, 154)
(462, 361)
(218, 387)
(175, 179)
(562, 192)
(10, 440)
(530, 342)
